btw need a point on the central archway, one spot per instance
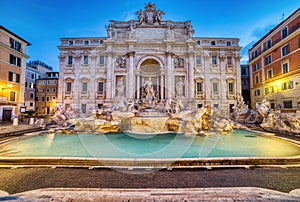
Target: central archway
(150, 72)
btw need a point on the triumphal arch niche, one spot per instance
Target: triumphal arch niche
(146, 47)
(149, 59)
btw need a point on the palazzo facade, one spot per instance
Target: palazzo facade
(149, 51)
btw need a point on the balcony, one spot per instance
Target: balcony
(230, 95)
(84, 94)
(68, 94)
(200, 96)
(100, 95)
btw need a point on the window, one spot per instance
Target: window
(100, 87)
(48, 82)
(13, 77)
(285, 50)
(70, 60)
(85, 59)
(101, 61)
(229, 61)
(269, 73)
(36, 98)
(256, 66)
(288, 104)
(268, 59)
(14, 60)
(244, 71)
(31, 104)
(83, 108)
(31, 95)
(53, 98)
(284, 32)
(257, 93)
(285, 68)
(70, 43)
(228, 43)
(230, 87)
(256, 79)
(269, 43)
(15, 45)
(198, 60)
(32, 76)
(255, 53)
(269, 90)
(198, 43)
(44, 82)
(199, 87)
(54, 90)
(214, 60)
(84, 87)
(12, 96)
(213, 43)
(86, 42)
(68, 87)
(48, 90)
(245, 82)
(215, 88)
(287, 85)
(43, 99)
(47, 99)
(54, 82)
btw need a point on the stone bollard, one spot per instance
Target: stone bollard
(15, 121)
(31, 121)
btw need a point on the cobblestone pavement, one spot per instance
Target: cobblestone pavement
(25, 179)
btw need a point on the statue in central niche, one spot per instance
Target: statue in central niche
(149, 90)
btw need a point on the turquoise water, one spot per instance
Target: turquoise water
(121, 145)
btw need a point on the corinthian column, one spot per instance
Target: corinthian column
(131, 77)
(109, 79)
(170, 76)
(191, 76)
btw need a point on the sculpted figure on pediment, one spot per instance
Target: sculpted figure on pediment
(121, 61)
(109, 31)
(150, 15)
(178, 62)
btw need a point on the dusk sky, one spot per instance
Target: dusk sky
(44, 22)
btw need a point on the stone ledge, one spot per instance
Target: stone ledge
(193, 194)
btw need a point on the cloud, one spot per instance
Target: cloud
(250, 37)
(130, 15)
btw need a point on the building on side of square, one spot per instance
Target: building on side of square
(46, 93)
(149, 51)
(274, 63)
(245, 76)
(35, 70)
(13, 57)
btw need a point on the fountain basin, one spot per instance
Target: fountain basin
(156, 151)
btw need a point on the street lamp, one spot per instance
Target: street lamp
(8, 87)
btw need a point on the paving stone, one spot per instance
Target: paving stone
(194, 194)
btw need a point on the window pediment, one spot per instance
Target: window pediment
(68, 80)
(84, 80)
